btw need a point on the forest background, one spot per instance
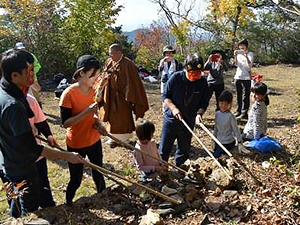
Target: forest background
(59, 31)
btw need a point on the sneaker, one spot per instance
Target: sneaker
(237, 114)
(242, 116)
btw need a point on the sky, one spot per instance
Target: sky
(136, 13)
(141, 13)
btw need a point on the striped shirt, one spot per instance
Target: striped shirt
(257, 123)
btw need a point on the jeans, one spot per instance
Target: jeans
(174, 129)
(29, 200)
(243, 95)
(45, 194)
(94, 154)
(217, 88)
(219, 151)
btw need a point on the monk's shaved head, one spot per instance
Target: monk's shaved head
(116, 47)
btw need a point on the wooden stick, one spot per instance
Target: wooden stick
(145, 153)
(106, 172)
(102, 170)
(61, 149)
(208, 152)
(229, 153)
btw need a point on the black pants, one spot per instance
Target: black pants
(95, 156)
(29, 200)
(243, 95)
(46, 198)
(217, 88)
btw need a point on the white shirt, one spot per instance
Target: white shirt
(243, 68)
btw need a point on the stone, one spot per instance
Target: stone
(205, 220)
(118, 208)
(168, 191)
(38, 221)
(180, 208)
(151, 218)
(234, 212)
(221, 179)
(165, 205)
(214, 203)
(211, 185)
(165, 212)
(179, 198)
(197, 204)
(230, 193)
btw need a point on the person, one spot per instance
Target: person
(256, 126)
(123, 93)
(185, 95)
(167, 66)
(34, 88)
(147, 165)
(38, 125)
(216, 66)
(17, 143)
(244, 61)
(226, 129)
(78, 108)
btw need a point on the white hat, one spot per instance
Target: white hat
(20, 45)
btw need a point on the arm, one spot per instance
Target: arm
(235, 129)
(257, 121)
(176, 113)
(67, 122)
(71, 157)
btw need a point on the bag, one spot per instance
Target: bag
(265, 145)
(61, 87)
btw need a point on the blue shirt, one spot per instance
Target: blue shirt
(186, 95)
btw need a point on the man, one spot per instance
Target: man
(35, 88)
(185, 95)
(17, 143)
(123, 93)
(167, 66)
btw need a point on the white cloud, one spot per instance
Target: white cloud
(136, 13)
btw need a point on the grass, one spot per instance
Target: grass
(282, 115)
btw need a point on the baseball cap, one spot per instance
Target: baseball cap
(84, 61)
(20, 45)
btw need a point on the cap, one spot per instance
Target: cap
(83, 62)
(20, 45)
(169, 48)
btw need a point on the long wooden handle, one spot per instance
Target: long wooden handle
(145, 153)
(106, 172)
(208, 152)
(229, 154)
(102, 170)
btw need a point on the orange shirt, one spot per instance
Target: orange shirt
(81, 134)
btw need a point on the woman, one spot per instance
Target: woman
(77, 114)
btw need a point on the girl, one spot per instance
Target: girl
(225, 124)
(144, 131)
(256, 126)
(77, 115)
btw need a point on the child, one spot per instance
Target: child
(225, 124)
(216, 66)
(256, 126)
(144, 131)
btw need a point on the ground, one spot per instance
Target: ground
(277, 202)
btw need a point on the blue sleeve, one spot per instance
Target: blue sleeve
(169, 88)
(205, 100)
(17, 120)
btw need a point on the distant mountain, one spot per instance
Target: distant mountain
(131, 34)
